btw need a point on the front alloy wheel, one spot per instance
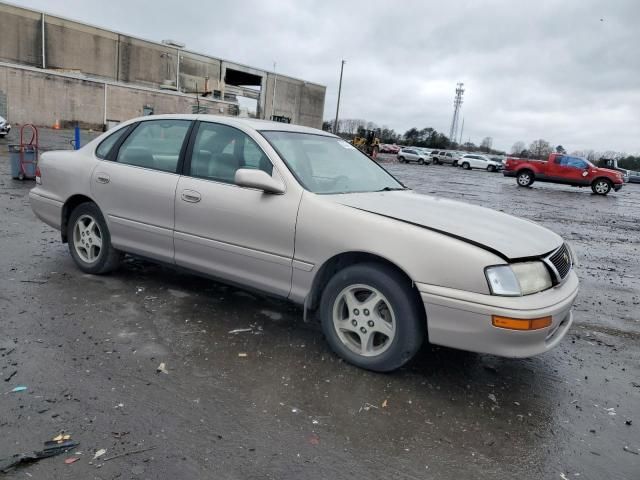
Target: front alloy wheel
(372, 317)
(601, 187)
(364, 320)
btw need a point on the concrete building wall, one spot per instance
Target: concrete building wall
(20, 36)
(74, 46)
(89, 51)
(34, 96)
(300, 101)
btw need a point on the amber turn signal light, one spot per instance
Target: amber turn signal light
(519, 323)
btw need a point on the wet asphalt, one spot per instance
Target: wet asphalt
(272, 401)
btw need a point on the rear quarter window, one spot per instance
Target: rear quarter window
(107, 144)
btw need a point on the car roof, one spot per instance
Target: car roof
(252, 123)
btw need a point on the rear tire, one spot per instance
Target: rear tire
(491, 168)
(381, 334)
(601, 186)
(525, 178)
(401, 159)
(90, 241)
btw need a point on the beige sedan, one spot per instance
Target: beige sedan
(301, 214)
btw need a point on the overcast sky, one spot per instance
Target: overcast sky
(566, 71)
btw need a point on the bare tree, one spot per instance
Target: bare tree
(518, 147)
(486, 143)
(540, 149)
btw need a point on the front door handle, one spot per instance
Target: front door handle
(191, 196)
(102, 178)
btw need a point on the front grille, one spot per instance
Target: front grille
(560, 261)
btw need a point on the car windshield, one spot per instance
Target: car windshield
(328, 165)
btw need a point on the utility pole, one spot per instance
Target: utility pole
(335, 125)
(461, 132)
(457, 103)
(275, 84)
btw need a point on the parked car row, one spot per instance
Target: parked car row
(468, 161)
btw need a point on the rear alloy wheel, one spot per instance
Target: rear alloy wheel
(89, 240)
(371, 317)
(601, 186)
(525, 179)
(466, 166)
(401, 159)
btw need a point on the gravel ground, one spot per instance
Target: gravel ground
(274, 402)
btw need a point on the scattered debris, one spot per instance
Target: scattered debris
(162, 368)
(119, 434)
(384, 404)
(242, 355)
(19, 388)
(71, 460)
(627, 422)
(10, 376)
(627, 449)
(610, 411)
(61, 438)
(241, 330)
(124, 454)
(493, 398)
(366, 407)
(314, 439)
(99, 453)
(7, 464)
(35, 281)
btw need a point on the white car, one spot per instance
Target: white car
(5, 128)
(414, 154)
(474, 160)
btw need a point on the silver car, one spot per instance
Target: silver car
(414, 154)
(301, 214)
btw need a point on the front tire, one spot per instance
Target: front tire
(601, 186)
(421, 161)
(466, 166)
(525, 178)
(371, 317)
(90, 241)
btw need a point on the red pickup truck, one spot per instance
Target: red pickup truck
(561, 168)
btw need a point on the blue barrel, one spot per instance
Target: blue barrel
(29, 159)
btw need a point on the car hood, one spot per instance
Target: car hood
(509, 237)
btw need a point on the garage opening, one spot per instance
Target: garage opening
(243, 88)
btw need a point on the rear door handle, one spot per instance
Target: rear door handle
(102, 178)
(191, 196)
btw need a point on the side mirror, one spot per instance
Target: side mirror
(259, 179)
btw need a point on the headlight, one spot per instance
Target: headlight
(518, 278)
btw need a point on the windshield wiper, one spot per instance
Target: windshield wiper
(391, 189)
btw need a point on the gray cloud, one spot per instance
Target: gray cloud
(549, 69)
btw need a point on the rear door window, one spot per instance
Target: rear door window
(155, 144)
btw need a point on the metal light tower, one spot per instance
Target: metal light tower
(457, 103)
